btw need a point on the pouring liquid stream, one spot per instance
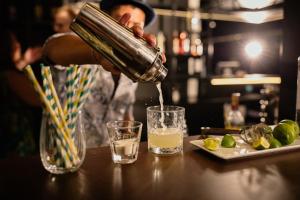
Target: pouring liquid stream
(161, 102)
(165, 137)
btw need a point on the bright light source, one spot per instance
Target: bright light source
(253, 49)
(252, 80)
(255, 17)
(255, 4)
(195, 20)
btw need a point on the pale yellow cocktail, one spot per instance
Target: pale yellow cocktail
(165, 129)
(165, 140)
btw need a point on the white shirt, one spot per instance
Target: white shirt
(101, 105)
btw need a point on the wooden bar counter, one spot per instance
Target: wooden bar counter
(191, 175)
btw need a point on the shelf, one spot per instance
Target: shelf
(254, 17)
(184, 76)
(183, 56)
(249, 79)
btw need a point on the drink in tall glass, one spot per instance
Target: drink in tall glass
(165, 137)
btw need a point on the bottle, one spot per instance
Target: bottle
(175, 43)
(133, 56)
(234, 119)
(184, 43)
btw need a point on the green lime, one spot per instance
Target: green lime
(292, 123)
(228, 141)
(261, 143)
(274, 143)
(284, 133)
(211, 144)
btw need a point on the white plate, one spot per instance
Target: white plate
(242, 149)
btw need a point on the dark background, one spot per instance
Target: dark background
(32, 20)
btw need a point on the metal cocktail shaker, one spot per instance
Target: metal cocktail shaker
(133, 56)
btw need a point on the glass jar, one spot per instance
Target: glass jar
(61, 154)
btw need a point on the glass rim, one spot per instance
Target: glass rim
(131, 124)
(157, 108)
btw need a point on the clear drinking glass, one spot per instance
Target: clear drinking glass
(165, 129)
(124, 139)
(55, 150)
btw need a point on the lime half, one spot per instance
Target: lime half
(274, 143)
(261, 143)
(228, 141)
(211, 144)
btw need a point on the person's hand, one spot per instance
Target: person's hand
(32, 54)
(139, 32)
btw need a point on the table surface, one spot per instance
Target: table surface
(194, 174)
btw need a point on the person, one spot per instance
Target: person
(113, 94)
(20, 111)
(63, 17)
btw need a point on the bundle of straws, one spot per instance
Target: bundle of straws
(63, 117)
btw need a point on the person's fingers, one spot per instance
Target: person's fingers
(125, 19)
(138, 31)
(151, 39)
(163, 56)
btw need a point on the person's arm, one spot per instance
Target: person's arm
(65, 49)
(70, 49)
(22, 87)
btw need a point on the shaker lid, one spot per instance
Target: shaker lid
(108, 5)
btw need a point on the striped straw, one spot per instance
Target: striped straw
(53, 105)
(57, 152)
(69, 145)
(87, 88)
(56, 99)
(71, 76)
(51, 130)
(58, 105)
(83, 81)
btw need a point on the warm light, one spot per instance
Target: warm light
(246, 80)
(255, 4)
(253, 49)
(182, 35)
(255, 17)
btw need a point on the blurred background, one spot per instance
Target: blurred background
(214, 48)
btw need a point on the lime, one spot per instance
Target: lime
(274, 143)
(211, 144)
(261, 143)
(292, 123)
(228, 141)
(284, 133)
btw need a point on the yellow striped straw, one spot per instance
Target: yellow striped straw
(56, 99)
(69, 142)
(57, 152)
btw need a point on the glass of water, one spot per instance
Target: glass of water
(124, 140)
(165, 127)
